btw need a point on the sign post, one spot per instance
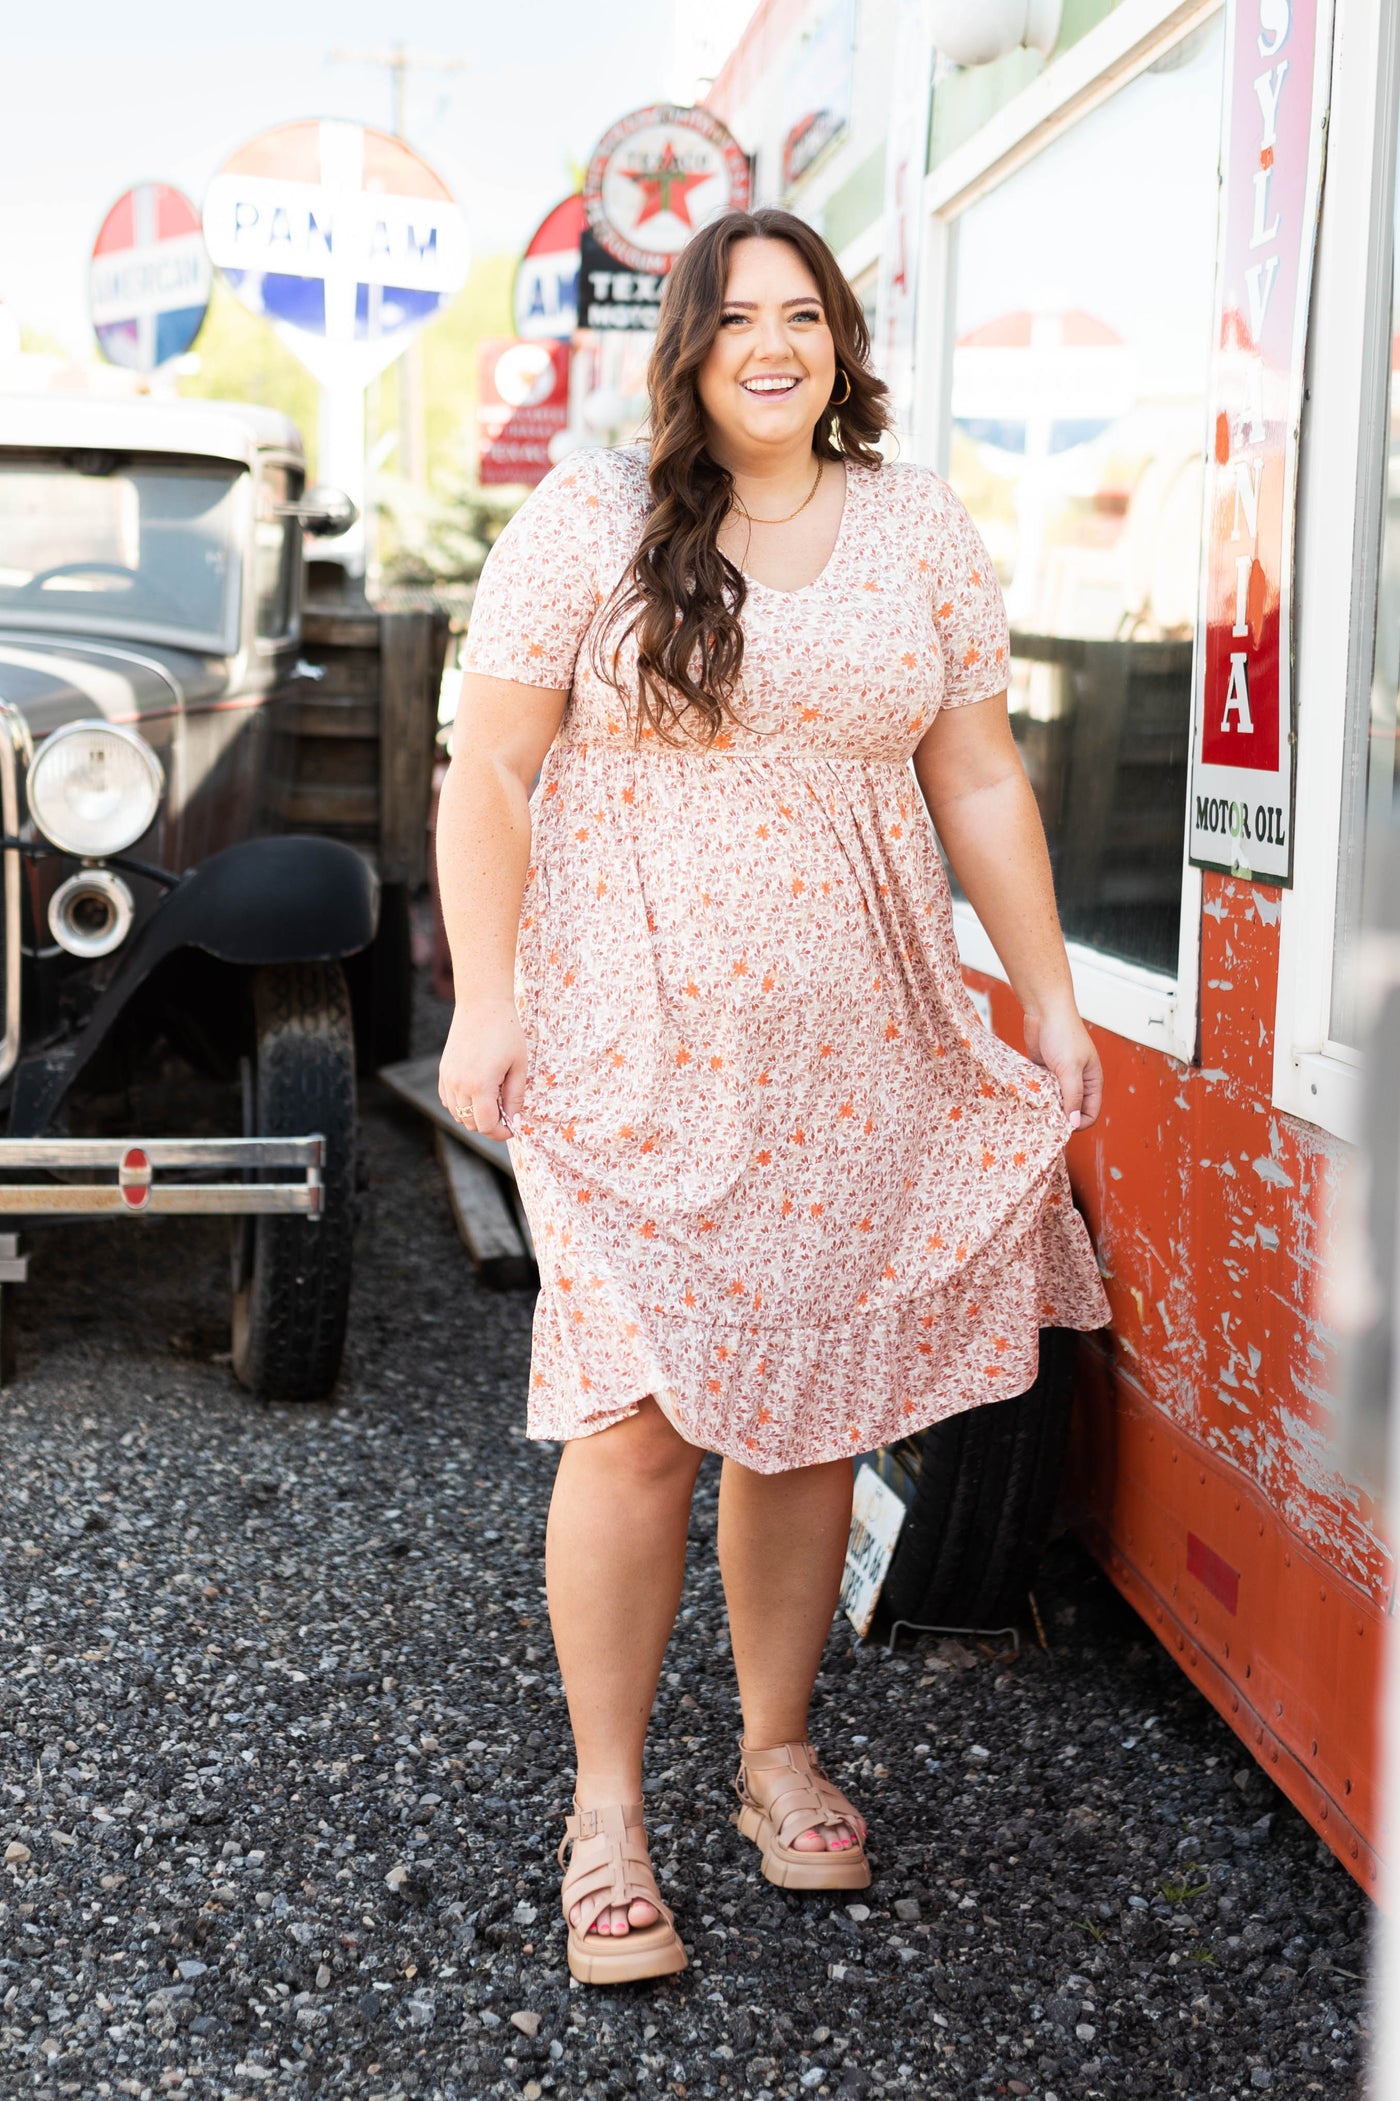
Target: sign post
(148, 283)
(349, 244)
(1242, 742)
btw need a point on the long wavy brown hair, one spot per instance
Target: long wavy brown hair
(682, 597)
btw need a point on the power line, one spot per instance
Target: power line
(399, 62)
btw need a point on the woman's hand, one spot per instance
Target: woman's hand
(1060, 1042)
(482, 1076)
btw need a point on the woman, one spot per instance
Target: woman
(790, 1199)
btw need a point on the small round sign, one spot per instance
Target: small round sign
(148, 282)
(655, 177)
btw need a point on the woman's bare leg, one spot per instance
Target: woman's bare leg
(782, 1548)
(614, 1564)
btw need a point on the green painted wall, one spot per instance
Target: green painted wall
(859, 200)
(968, 98)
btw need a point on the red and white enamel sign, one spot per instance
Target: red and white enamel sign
(658, 175)
(522, 402)
(545, 293)
(1242, 744)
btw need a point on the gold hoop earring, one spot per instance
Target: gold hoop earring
(834, 403)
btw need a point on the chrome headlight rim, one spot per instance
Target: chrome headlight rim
(115, 896)
(124, 836)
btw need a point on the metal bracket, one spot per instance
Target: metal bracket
(976, 1633)
(134, 1192)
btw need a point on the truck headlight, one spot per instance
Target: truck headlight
(94, 788)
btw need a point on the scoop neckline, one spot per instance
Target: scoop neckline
(756, 583)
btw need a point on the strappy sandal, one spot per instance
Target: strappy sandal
(609, 1864)
(783, 1793)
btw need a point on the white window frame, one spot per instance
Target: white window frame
(1341, 463)
(1144, 1006)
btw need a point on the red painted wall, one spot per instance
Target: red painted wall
(1202, 1469)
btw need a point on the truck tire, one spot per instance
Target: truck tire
(981, 1490)
(291, 1284)
(381, 985)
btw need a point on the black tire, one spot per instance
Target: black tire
(381, 984)
(291, 1293)
(982, 1488)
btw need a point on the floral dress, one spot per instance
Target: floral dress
(779, 1175)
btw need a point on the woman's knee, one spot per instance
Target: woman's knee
(644, 1449)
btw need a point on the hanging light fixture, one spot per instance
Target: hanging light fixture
(973, 32)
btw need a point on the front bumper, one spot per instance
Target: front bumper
(134, 1192)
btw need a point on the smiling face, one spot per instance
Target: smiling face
(771, 370)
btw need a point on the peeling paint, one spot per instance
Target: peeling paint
(1221, 985)
(1268, 908)
(1117, 1173)
(1216, 908)
(1270, 1171)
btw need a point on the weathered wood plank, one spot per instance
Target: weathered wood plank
(412, 646)
(415, 1082)
(358, 629)
(483, 1216)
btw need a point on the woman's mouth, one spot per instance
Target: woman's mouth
(773, 388)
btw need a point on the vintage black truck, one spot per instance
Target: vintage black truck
(213, 807)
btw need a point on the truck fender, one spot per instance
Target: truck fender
(280, 900)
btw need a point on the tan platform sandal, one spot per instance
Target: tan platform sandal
(609, 1864)
(783, 1792)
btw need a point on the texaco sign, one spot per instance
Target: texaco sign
(655, 177)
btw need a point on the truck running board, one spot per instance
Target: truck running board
(134, 1192)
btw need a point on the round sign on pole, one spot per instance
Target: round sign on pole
(545, 295)
(148, 282)
(342, 237)
(655, 177)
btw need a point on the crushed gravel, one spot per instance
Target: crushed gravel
(283, 1755)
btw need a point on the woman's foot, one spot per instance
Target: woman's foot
(619, 1929)
(809, 1835)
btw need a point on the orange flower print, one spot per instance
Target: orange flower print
(815, 984)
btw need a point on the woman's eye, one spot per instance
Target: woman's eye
(727, 319)
(807, 314)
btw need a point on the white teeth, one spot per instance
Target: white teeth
(769, 386)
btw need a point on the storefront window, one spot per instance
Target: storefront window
(1082, 323)
(1371, 794)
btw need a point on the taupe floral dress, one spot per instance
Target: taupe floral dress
(778, 1174)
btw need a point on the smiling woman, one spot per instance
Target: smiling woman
(790, 1198)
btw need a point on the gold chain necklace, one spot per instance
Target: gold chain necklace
(816, 484)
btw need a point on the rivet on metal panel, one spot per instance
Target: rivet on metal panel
(1237, 1502)
(1248, 1668)
(1347, 1785)
(1227, 1652)
(1261, 1528)
(1322, 1811)
(1234, 1703)
(1322, 1593)
(1288, 1561)
(1203, 1480)
(1355, 1849)
(1273, 1755)
(1193, 1658)
(1278, 1707)
(1175, 1457)
(1314, 1747)
(1195, 1617)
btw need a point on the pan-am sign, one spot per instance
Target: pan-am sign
(342, 237)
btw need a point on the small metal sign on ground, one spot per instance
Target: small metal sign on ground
(149, 279)
(877, 1513)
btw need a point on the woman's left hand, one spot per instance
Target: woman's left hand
(1060, 1042)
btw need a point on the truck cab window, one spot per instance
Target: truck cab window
(276, 550)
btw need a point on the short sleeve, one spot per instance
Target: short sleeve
(969, 609)
(538, 589)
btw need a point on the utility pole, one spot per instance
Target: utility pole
(399, 62)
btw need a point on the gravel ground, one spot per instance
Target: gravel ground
(283, 1755)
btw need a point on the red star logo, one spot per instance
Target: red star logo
(665, 188)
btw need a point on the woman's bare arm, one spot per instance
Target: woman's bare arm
(983, 808)
(499, 741)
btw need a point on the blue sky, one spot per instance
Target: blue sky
(94, 97)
